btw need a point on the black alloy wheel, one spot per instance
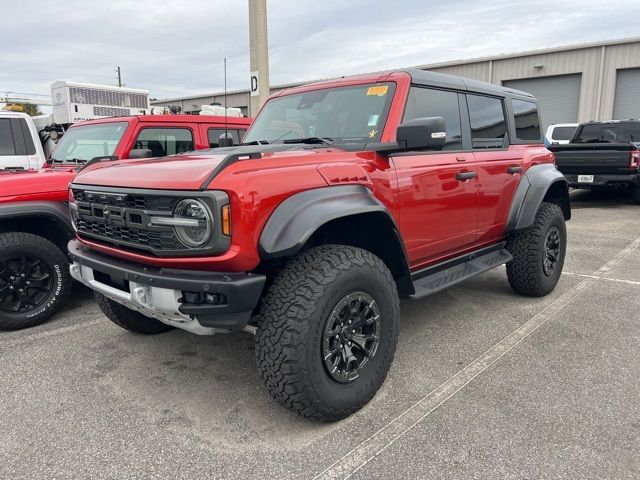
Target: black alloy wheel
(351, 336)
(25, 283)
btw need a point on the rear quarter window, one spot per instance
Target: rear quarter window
(527, 120)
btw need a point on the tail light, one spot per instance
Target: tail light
(634, 161)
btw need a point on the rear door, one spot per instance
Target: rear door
(438, 207)
(499, 165)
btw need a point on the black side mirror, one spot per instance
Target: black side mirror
(226, 140)
(422, 134)
(140, 153)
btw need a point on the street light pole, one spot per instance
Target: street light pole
(258, 54)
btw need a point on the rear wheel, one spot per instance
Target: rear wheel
(34, 280)
(538, 253)
(327, 331)
(130, 319)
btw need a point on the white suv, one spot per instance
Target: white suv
(560, 133)
(20, 145)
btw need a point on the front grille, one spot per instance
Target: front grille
(144, 202)
(164, 240)
(122, 219)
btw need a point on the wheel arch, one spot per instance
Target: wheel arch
(346, 215)
(49, 220)
(541, 183)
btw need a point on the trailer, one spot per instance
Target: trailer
(73, 102)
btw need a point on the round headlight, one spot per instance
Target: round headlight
(197, 224)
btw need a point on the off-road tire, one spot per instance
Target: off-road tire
(130, 319)
(291, 325)
(526, 271)
(635, 194)
(55, 262)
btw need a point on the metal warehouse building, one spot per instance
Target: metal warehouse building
(595, 81)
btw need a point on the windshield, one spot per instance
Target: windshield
(609, 133)
(562, 133)
(82, 143)
(341, 115)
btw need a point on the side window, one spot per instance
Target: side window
(488, 126)
(526, 119)
(165, 141)
(426, 102)
(213, 135)
(7, 146)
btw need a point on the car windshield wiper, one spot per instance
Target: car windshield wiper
(310, 140)
(68, 160)
(256, 142)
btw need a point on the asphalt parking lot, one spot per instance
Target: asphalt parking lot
(485, 384)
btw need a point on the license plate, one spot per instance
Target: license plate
(585, 178)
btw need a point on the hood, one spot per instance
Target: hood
(177, 172)
(48, 183)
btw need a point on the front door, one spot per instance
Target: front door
(438, 191)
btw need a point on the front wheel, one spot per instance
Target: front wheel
(538, 253)
(34, 280)
(327, 331)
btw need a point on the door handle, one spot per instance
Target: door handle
(460, 158)
(464, 176)
(514, 170)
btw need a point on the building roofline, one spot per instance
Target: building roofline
(528, 53)
(426, 66)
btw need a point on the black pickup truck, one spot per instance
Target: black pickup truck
(602, 155)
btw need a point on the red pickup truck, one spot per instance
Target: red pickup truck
(344, 196)
(34, 220)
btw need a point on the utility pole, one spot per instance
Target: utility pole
(258, 54)
(119, 77)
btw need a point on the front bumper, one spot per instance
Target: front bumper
(200, 302)
(603, 180)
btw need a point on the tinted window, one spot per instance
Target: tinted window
(425, 102)
(488, 127)
(165, 141)
(526, 119)
(562, 133)
(214, 134)
(6, 138)
(609, 133)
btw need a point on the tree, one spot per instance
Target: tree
(28, 108)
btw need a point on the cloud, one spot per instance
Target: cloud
(176, 48)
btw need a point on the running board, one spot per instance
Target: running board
(438, 277)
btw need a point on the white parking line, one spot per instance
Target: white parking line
(620, 280)
(377, 443)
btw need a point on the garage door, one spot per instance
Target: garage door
(627, 103)
(559, 96)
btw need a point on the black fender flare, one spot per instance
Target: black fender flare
(297, 218)
(294, 221)
(55, 211)
(532, 189)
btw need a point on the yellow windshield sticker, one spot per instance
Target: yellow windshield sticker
(373, 133)
(378, 90)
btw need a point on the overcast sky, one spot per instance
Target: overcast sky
(175, 48)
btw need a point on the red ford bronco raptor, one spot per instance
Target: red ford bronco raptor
(34, 218)
(344, 196)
